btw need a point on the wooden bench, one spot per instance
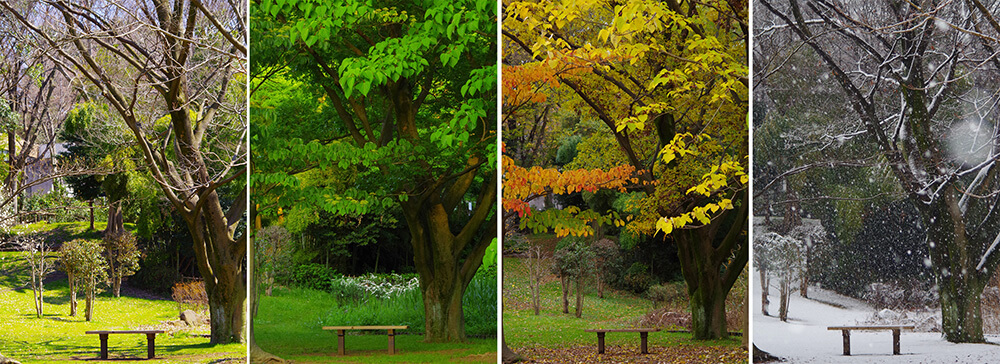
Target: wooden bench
(643, 333)
(846, 330)
(150, 340)
(342, 329)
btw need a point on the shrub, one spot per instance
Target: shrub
(191, 293)
(480, 307)
(637, 278)
(396, 299)
(668, 295)
(900, 295)
(315, 276)
(122, 254)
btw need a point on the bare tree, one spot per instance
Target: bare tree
(167, 67)
(37, 256)
(35, 94)
(538, 264)
(920, 82)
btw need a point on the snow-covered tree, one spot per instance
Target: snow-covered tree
(811, 234)
(785, 258)
(919, 80)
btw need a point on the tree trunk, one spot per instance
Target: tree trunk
(536, 303)
(783, 300)
(804, 286)
(763, 292)
(116, 220)
(708, 308)
(960, 284)
(804, 276)
(444, 319)
(72, 295)
(438, 253)
(225, 301)
(91, 283)
(579, 297)
(509, 356)
(38, 298)
(565, 292)
(708, 270)
(91, 203)
(116, 283)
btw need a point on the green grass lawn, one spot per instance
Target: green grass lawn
(289, 323)
(555, 330)
(57, 337)
(66, 231)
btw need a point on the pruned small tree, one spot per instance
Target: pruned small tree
(536, 264)
(272, 253)
(761, 252)
(605, 253)
(785, 256)
(811, 235)
(36, 253)
(574, 262)
(71, 265)
(86, 257)
(122, 255)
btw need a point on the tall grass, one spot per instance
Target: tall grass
(368, 300)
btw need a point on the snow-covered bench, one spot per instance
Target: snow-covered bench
(643, 333)
(340, 335)
(895, 334)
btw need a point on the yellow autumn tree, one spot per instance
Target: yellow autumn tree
(669, 81)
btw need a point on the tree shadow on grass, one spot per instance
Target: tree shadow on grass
(124, 351)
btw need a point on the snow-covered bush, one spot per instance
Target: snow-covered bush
(893, 295)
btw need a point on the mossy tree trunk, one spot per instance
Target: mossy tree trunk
(712, 259)
(447, 261)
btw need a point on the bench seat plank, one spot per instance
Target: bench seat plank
(622, 330)
(872, 327)
(365, 327)
(98, 332)
(846, 333)
(390, 330)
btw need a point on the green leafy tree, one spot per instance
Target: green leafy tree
(85, 258)
(272, 249)
(409, 88)
(122, 255)
(574, 262)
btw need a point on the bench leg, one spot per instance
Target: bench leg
(150, 346)
(642, 339)
(392, 342)
(895, 342)
(847, 342)
(600, 343)
(104, 346)
(340, 342)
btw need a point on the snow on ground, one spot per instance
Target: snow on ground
(805, 339)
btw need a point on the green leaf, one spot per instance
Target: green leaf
(445, 57)
(364, 86)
